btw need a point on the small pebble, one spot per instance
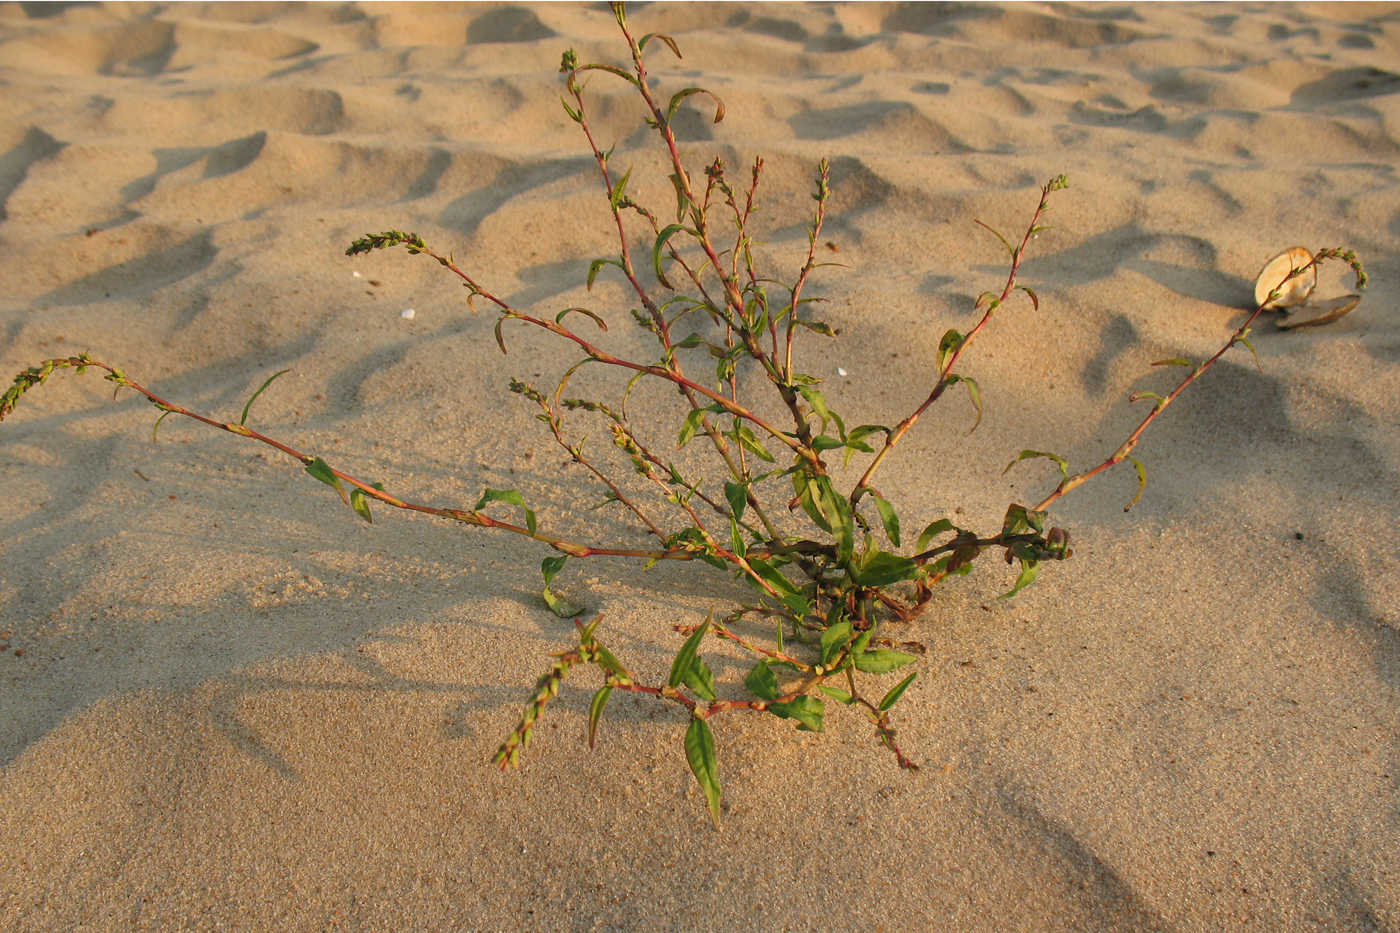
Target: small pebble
(407, 314)
(840, 371)
(355, 274)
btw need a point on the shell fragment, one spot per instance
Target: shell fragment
(1274, 277)
(1331, 308)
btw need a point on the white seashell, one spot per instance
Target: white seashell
(1292, 292)
(355, 274)
(841, 372)
(407, 314)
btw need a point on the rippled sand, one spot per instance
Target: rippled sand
(229, 703)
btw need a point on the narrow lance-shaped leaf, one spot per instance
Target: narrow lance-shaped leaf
(595, 713)
(833, 640)
(661, 238)
(738, 497)
(897, 691)
(619, 191)
(670, 43)
(1030, 569)
(889, 519)
(840, 696)
(700, 753)
(681, 95)
(1035, 299)
(947, 346)
(511, 497)
(882, 660)
(761, 681)
(549, 569)
(701, 679)
(598, 264)
(933, 530)
(686, 656)
(973, 392)
(883, 568)
(1060, 462)
(243, 418)
(360, 503)
(807, 710)
(322, 471)
(1142, 482)
(1009, 248)
(559, 318)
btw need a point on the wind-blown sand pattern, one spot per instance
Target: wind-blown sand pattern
(229, 703)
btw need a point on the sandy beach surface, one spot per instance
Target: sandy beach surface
(229, 703)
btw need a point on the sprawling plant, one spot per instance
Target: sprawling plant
(827, 564)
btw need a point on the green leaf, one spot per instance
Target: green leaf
(511, 497)
(897, 691)
(550, 567)
(360, 503)
(751, 444)
(736, 538)
(1009, 248)
(595, 713)
(559, 318)
(974, 393)
(610, 662)
(599, 264)
(1142, 482)
(612, 70)
(889, 519)
(1035, 300)
(935, 528)
(1019, 519)
(693, 419)
(670, 43)
(700, 753)
(1033, 454)
(682, 201)
(1245, 340)
(680, 96)
(807, 710)
(772, 577)
(656, 248)
(243, 419)
(834, 639)
(882, 660)
(840, 696)
(701, 679)
(619, 191)
(947, 346)
(818, 403)
(883, 568)
(154, 428)
(830, 510)
(686, 656)
(1029, 570)
(738, 496)
(322, 471)
(559, 605)
(761, 681)
(1175, 361)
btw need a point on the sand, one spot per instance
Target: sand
(231, 704)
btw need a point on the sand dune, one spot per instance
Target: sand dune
(231, 703)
